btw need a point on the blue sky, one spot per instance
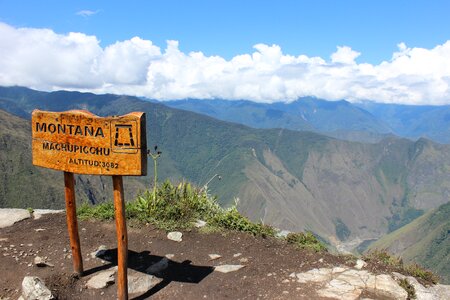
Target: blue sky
(370, 31)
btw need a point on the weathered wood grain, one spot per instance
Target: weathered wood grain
(83, 143)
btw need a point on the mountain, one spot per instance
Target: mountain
(413, 121)
(339, 119)
(363, 122)
(346, 192)
(426, 240)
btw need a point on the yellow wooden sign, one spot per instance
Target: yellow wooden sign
(80, 142)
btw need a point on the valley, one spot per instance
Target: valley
(345, 192)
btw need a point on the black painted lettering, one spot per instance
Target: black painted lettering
(51, 128)
(46, 146)
(88, 130)
(78, 130)
(99, 132)
(70, 128)
(62, 128)
(42, 127)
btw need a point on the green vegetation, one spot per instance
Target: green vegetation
(231, 219)
(384, 258)
(408, 287)
(419, 272)
(179, 207)
(306, 240)
(426, 240)
(415, 270)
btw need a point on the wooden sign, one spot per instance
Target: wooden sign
(80, 142)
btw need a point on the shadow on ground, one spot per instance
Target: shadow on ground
(142, 261)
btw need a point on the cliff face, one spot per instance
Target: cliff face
(347, 192)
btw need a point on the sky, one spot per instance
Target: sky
(393, 51)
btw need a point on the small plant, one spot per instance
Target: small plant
(383, 257)
(415, 270)
(305, 240)
(30, 210)
(419, 272)
(155, 157)
(231, 219)
(408, 287)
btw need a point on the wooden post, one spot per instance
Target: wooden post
(72, 224)
(122, 238)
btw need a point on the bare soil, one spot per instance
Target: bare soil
(190, 274)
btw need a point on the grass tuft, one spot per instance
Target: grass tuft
(306, 240)
(415, 270)
(172, 207)
(409, 288)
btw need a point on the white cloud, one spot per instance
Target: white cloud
(86, 13)
(344, 55)
(42, 59)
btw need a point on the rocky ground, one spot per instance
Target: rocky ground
(200, 266)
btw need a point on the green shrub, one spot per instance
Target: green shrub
(419, 272)
(174, 206)
(383, 257)
(306, 240)
(231, 219)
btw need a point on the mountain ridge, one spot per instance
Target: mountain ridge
(346, 192)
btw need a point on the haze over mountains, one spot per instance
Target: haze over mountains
(346, 192)
(365, 121)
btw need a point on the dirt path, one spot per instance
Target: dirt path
(190, 273)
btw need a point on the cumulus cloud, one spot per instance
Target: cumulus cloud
(45, 60)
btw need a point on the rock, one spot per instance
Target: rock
(41, 262)
(346, 283)
(139, 283)
(435, 292)
(237, 254)
(170, 256)
(38, 213)
(34, 288)
(99, 252)
(387, 287)
(39, 229)
(200, 224)
(339, 289)
(440, 291)
(158, 267)
(315, 275)
(214, 256)
(175, 236)
(360, 264)
(282, 234)
(102, 279)
(9, 216)
(228, 268)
